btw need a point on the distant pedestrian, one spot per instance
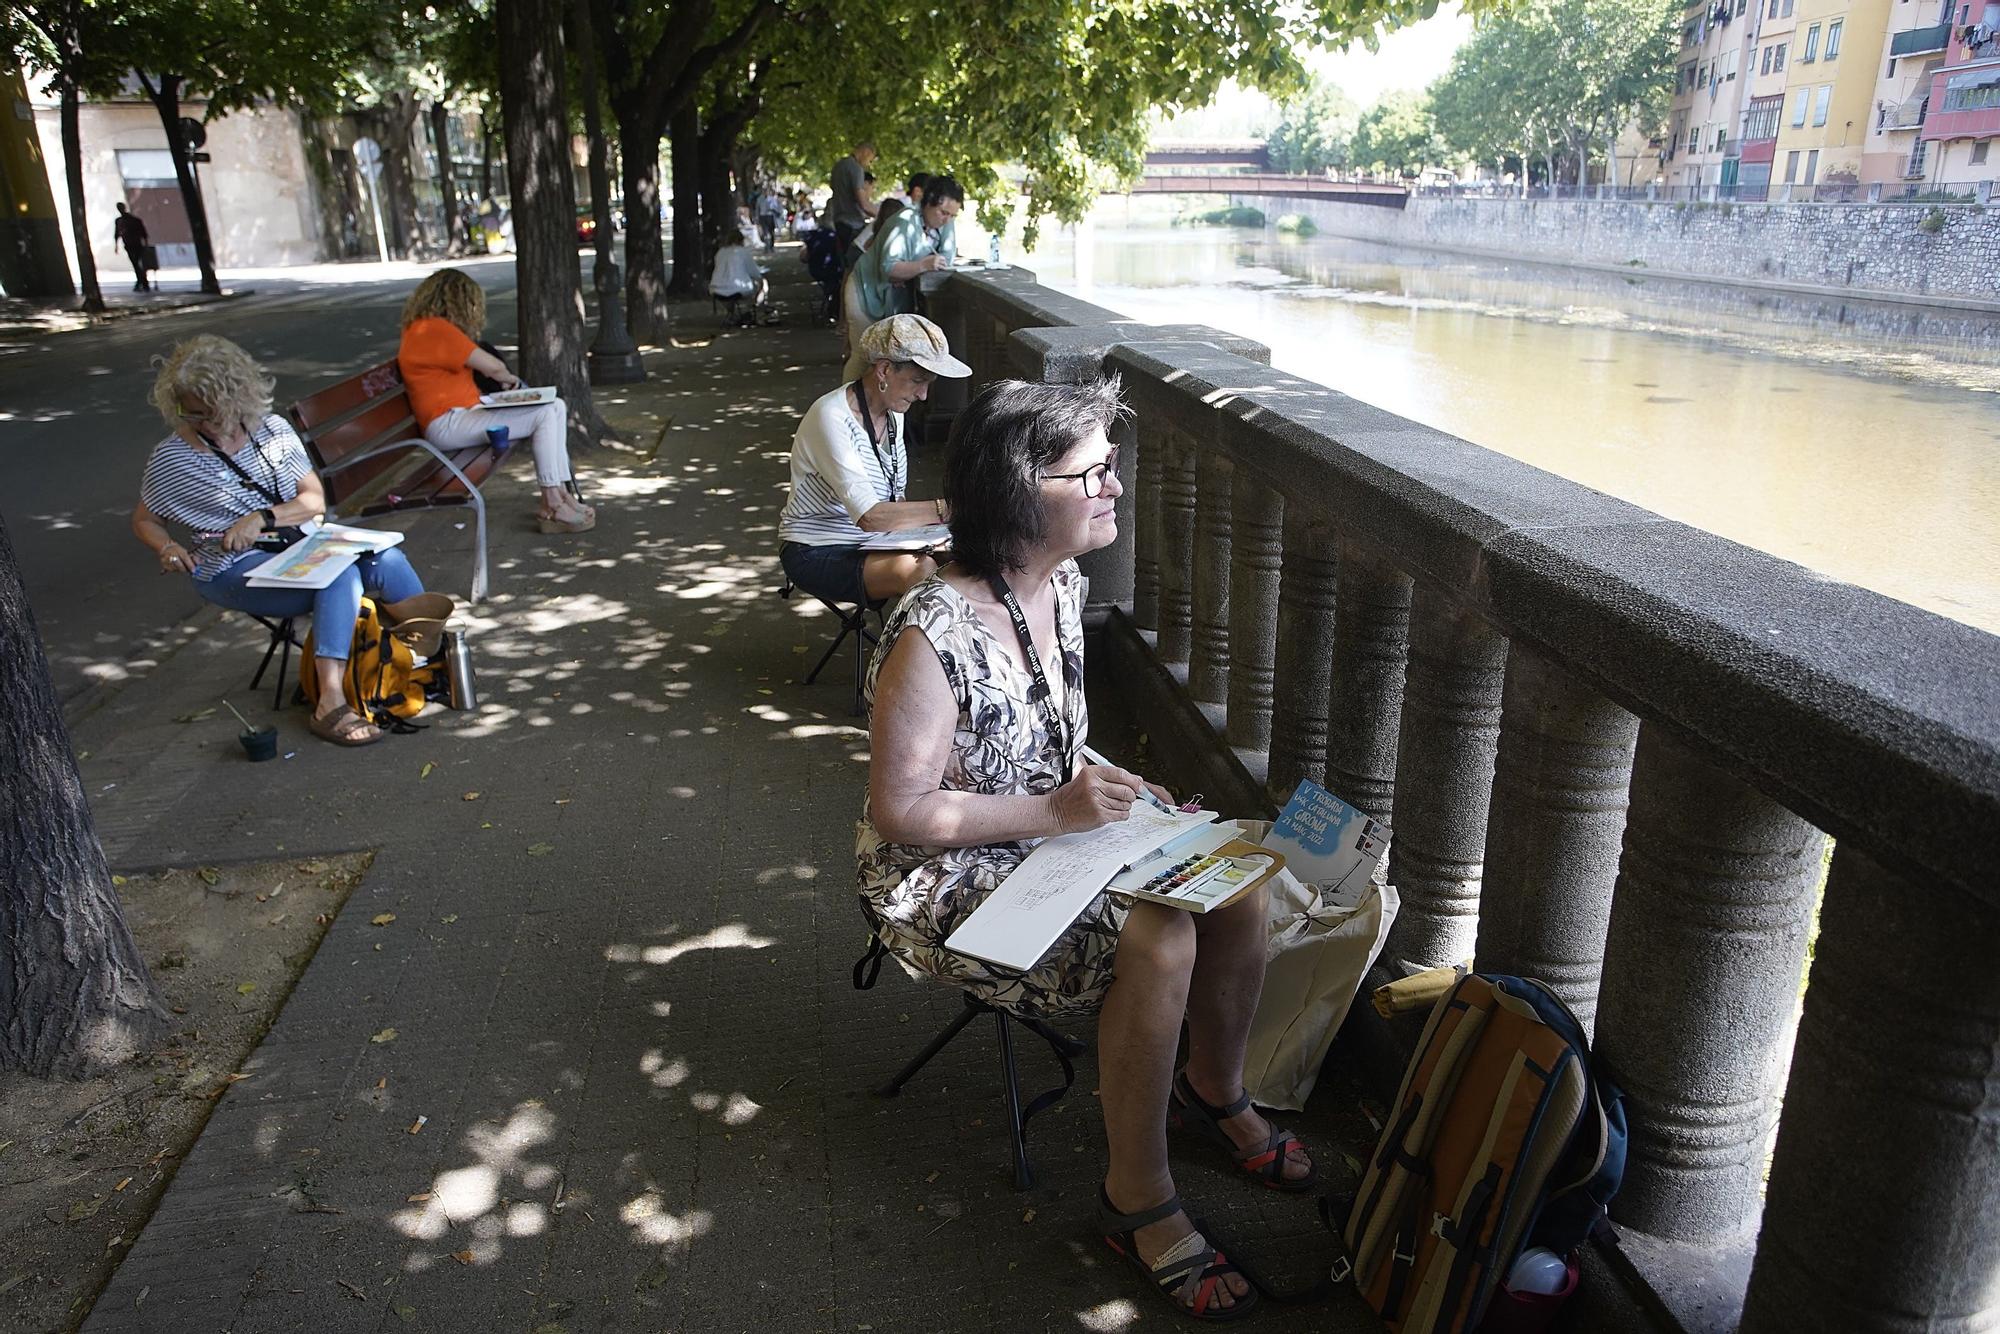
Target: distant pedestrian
(850, 208)
(130, 232)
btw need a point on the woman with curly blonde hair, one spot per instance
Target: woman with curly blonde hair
(231, 471)
(440, 351)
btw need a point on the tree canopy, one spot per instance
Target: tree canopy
(1399, 134)
(1316, 132)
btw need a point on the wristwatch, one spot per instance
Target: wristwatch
(270, 519)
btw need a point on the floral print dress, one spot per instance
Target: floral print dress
(914, 897)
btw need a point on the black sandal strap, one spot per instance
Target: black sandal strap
(1112, 1221)
(1185, 1088)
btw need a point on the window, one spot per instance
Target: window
(1730, 76)
(1767, 58)
(1741, 6)
(1774, 9)
(1718, 140)
(1791, 167)
(1778, 64)
(1812, 165)
(1821, 96)
(1694, 138)
(1892, 68)
(1832, 38)
(1799, 108)
(1812, 46)
(1978, 158)
(1762, 122)
(1787, 11)
(1701, 77)
(1976, 90)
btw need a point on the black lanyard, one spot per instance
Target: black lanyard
(270, 493)
(1039, 691)
(868, 424)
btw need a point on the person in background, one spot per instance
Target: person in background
(944, 237)
(231, 470)
(746, 225)
(736, 272)
(850, 208)
(770, 213)
(439, 352)
(854, 319)
(902, 251)
(913, 189)
(850, 469)
(976, 734)
(130, 231)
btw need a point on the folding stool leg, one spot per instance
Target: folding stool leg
(1024, 1173)
(937, 1044)
(831, 649)
(284, 661)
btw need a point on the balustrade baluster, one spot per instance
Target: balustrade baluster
(1554, 829)
(1208, 659)
(1176, 631)
(1702, 959)
(1149, 443)
(1444, 778)
(1257, 546)
(1365, 684)
(1884, 1205)
(1307, 590)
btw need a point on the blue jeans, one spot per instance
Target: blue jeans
(386, 574)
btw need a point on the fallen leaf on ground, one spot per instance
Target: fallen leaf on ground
(418, 1198)
(383, 1082)
(405, 1312)
(83, 1209)
(311, 868)
(463, 1257)
(449, 918)
(425, 772)
(485, 824)
(470, 796)
(386, 1035)
(540, 849)
(245, 988)
(209, 875)
(117, 879)
(1028, 1217)
(382, 919)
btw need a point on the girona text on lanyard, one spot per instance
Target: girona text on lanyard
(888, 465)
(1039, 692)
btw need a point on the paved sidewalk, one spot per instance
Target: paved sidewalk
(615, 988)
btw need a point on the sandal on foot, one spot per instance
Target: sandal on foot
(345, 727)
(1187, 1111)
(1190, 1271)
(568, 519)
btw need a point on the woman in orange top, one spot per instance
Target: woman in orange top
(439, 353)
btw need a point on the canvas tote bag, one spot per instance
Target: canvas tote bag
(1315, 958)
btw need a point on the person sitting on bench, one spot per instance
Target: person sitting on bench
(977, 725)
(231, 470)
(438, 354)
(850, 471)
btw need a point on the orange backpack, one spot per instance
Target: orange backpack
(384, 682)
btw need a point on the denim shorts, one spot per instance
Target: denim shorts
(830, 572)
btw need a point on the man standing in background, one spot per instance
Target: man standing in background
(129, 232)
(850, 209)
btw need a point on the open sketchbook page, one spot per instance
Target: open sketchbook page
(1018, 922)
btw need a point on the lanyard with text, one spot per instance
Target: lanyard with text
(888, 465)
(1040, 691)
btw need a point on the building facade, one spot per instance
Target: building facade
(1956, 145)
(1766, 95)
(1913, 49)
(1828, 109)
(1705, 126)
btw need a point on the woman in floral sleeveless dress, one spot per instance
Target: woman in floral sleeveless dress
(977, 720)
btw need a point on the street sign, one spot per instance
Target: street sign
(368, 157)
(201, 157)
(193, 133)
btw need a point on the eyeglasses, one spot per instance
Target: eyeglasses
(1092, 478)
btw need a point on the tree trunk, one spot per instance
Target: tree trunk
(165, 93)
(75, 995)
(535, 112)
(645, 258)
(454, 233)
(614, 357)
(485, 158)
(72, 139)
(397, 121)
(685, 130)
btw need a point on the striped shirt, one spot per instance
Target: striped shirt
(838, 475)
(193, 488)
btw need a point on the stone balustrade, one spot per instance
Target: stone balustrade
(1613, 750)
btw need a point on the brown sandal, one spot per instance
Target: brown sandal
(343, 727)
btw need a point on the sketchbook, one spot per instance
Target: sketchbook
(523, 397)
(909, 539)
(1034, 905)
(319, 558)
(1328, 844)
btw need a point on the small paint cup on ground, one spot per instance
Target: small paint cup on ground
(261, 744)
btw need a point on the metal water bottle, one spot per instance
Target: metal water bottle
(461, 691)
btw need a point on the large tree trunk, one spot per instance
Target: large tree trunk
(165, 93)
(685, 131)
(74, 994)
(535, 112)
(645, 257)
(454, 233)
(72, 139)
(485, 157)
(397, 122)
(614, 358)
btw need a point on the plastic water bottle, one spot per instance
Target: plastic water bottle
(1538, 1270)
(993, 252)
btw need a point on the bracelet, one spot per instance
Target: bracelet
(270, 519)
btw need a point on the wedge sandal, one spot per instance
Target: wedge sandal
(1188, 1277)
(1186, 1111)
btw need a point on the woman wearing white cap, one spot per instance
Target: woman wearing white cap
(850, 473)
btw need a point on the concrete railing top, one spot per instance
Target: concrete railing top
(1878, 722)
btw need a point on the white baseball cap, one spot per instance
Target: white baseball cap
(915, 339)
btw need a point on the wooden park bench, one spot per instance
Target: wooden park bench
(363, 438)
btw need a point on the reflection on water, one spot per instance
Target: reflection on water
(1815, 442)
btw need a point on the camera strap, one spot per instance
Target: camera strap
(1039, 692)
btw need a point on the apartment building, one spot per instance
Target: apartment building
(1766, 95)
(1718, 51)
(1824, 123)
(1955, 147)
(1913, 50)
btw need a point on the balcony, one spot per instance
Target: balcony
(1920, 41)
(1908, 116)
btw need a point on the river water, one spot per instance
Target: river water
(1861, 449)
